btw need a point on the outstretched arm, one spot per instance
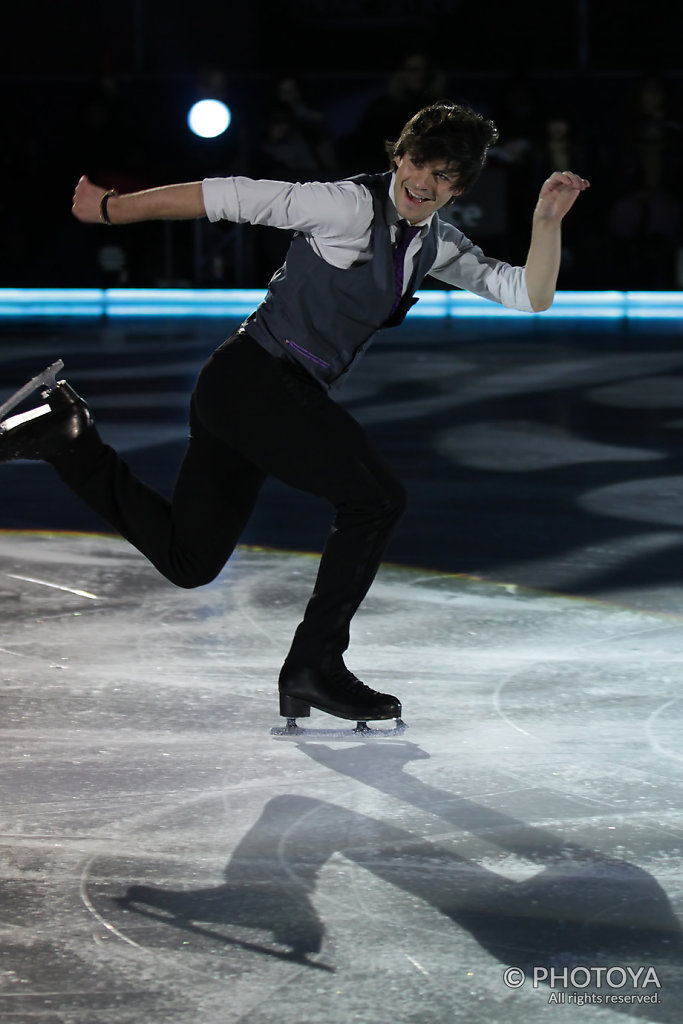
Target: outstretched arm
(170, 202)
(557, 196)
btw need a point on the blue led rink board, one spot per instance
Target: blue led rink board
(192, 302)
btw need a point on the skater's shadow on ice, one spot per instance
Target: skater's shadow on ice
(580, 907)
(557, 906)
(264, 892)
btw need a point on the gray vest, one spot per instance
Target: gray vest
(323, 317)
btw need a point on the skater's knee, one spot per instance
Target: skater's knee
(392, 500)
(387, 502)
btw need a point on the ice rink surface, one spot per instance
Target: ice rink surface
(165, 859)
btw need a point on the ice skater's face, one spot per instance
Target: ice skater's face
(422, 187)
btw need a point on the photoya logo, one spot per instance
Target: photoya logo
(609, 985)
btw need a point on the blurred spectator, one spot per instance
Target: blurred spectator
(283, 152)
(558, 148)
(108, 142)
(646, 228)
(516, 118)
(293, 146)
(646, 219)
(652, 139)
(311, 124)
(413, 85)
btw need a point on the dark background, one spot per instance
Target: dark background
(104, 90)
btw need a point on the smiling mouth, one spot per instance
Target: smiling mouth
(414, 198)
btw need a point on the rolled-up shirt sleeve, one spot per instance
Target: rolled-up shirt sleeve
(462, 264)
(341, 210)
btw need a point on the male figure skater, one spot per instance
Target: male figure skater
(261, 403)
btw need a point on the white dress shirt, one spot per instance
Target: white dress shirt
(336, 220)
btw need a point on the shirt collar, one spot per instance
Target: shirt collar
(392, 213)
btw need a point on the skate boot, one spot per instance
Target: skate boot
(44, 431)
(336, 691)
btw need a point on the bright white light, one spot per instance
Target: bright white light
(209, 118)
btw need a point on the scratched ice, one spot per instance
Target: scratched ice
(165, 859)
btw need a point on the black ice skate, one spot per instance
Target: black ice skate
(43, 431)
(336, 691)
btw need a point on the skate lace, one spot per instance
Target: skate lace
(352, 684)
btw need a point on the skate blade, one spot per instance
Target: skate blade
(46, 379)
(24, 417)
(360, 732)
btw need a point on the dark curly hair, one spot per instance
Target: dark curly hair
(450, 132)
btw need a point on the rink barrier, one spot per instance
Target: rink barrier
(197, 302)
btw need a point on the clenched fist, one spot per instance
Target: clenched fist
(87, 200)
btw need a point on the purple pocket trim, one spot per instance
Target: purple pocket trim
(306, 354)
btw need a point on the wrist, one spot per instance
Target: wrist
(105, 208)
(545, 217)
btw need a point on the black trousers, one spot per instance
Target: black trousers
(253, 415)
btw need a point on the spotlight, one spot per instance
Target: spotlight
(209, 118)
